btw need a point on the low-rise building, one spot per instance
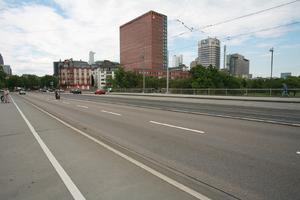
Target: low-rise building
(103, 72)
(285, 74)
(74, 74)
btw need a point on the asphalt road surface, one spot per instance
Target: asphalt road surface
(114, 147)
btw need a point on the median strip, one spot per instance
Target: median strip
(178, 127)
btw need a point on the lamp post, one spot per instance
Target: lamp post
(167, 91)
(272, 52)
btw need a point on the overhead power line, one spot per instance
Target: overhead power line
(244, 34)
(248, 15)
(261, 30)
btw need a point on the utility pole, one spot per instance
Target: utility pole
(224, 61)
(143, 80)
(167, 91)
(272, 52)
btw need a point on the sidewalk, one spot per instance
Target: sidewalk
(235, 98)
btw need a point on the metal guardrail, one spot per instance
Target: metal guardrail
(267, 92)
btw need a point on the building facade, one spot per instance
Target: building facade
(1, 60)
(143, 43)
(103, 72)
(6, 69)
(91, 57)
(285, 74)
(74, 74)
(177, 60)
(238, 65)
(209, 52)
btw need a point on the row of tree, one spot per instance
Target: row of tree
(27, 81)
(201, 77)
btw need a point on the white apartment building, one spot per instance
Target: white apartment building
(103, 72)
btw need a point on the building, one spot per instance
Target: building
(285, 75)
(143, 43)
(7, 69)
(181, 67)
(177, 60)
(55, 68)
(91, 58)
(103, 72)
(209, 52)
(1, 60)
(238, 65)
(74, 74)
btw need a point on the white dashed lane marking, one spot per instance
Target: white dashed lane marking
(178, 127)
(113, 113)
(80, 106)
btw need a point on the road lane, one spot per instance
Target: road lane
(25, 171)
(250, 160)
(281, 112)
(73, 189)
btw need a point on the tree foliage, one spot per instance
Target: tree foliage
(27, 81)
(201, 77)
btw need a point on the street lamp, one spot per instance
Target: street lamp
(167, 91)
(272, 52)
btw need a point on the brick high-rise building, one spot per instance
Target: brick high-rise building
(143, 43)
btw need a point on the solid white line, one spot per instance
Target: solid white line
(59, 169)
(172, 126)
(110, 112)
(82, 106)
(298, 152)
(65, 102)
(128, 158)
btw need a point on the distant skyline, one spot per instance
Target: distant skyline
(34, 33)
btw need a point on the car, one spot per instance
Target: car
(22, 92)
(100, 91)
(75, 91)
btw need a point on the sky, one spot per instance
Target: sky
(34, 33)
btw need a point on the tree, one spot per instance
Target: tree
(47, 81)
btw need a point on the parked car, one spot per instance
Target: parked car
(22, 92)
(100, 91)
(75, 91)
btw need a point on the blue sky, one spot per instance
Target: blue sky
(39, 32)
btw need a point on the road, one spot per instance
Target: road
(156, 153)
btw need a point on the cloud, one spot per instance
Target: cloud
(37, 34)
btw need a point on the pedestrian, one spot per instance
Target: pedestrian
(2, 96)
(285, 90)
(6, 96)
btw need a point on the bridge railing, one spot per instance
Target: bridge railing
(266, 92)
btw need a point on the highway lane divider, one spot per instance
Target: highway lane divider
(178, 127)
(73, 189)
(150, 170)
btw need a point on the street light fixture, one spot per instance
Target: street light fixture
(272, 54)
